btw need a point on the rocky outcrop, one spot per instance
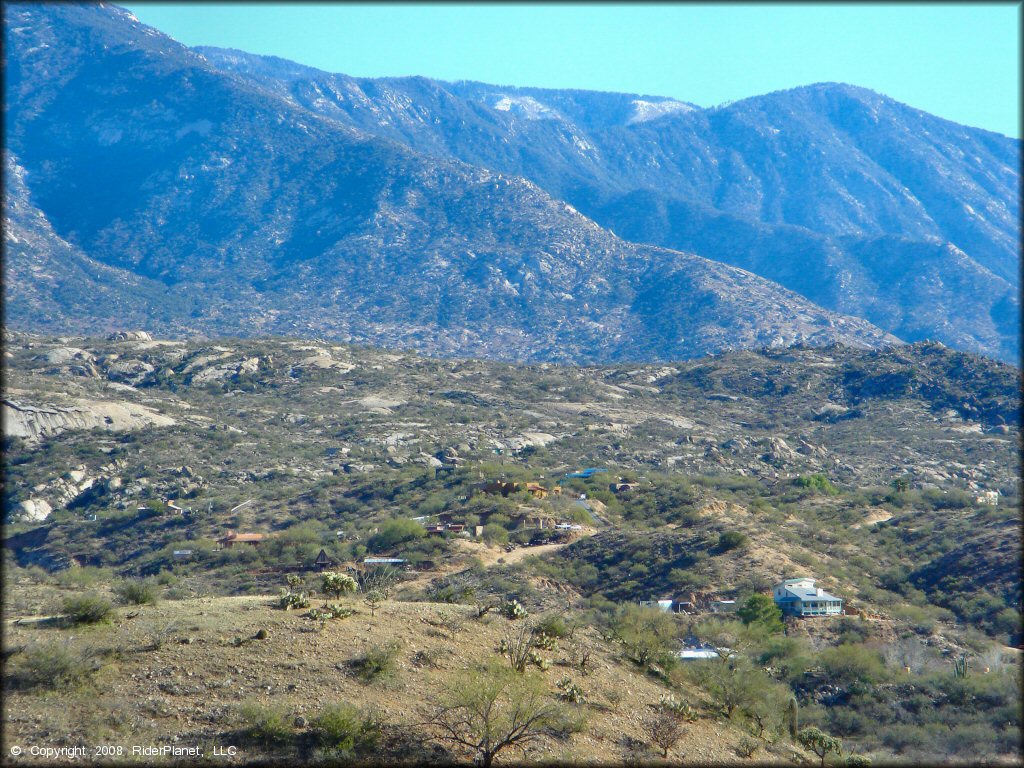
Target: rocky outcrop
(129, 336)
(32, 422)
(35, 510)
(226, 371)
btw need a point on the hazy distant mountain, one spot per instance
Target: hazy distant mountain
(864, 205)
(212, 205)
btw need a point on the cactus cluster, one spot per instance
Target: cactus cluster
(570, 691)
(513, 609)
(681, 709)
(289, 600)
(328, 611)
(961, 666)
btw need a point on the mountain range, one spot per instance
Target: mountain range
(213, 192)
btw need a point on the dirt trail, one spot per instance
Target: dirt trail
(490, 556)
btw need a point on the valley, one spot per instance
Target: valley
(710, 481)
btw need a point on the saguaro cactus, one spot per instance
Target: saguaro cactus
(793, 717)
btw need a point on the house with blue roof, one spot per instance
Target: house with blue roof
(800, 597)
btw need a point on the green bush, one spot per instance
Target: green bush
(87, 609)
(55, 666)
(347, 729)
(136, 592)
(649, 635)
(377, 662)
(395, 532)
(728, 540)
(849, 663)
(552, 626)
(816, 482)
(494, 533)
(266, 724)
(80, 578)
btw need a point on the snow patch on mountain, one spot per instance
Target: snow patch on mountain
(526, 107)
(652, 110)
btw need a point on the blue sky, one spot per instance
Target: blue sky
(958, 61)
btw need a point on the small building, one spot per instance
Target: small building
(623, 487)
(322, 561)
(698, 652)
(535, 521)
(800, 597)
(252, 539)
(585, 473)
(384, 561)
(722, 606)
(536, 490)
(665, 604)
(498, 487)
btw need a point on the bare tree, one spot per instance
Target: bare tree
(492, 712)
(907, 653)
(376, 585)
(663, 728)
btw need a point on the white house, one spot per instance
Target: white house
(723, 606)
(664, 605)
(799, 597)
(695, 650)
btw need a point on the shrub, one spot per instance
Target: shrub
(494, 712)
(266, 724)
(663, 729)
(395, 532)
(87, 609)
(80, 578)
(747, 747)
(136, 592)
(728, 540)
(649, 635)
(552, 626)
(346, 728)
(852, 664)
(56, 666)
(495, 534)
(377, 662)
(817, 482)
